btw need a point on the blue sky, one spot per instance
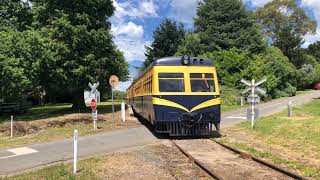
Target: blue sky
(135, 20)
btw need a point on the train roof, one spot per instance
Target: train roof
(174, 61)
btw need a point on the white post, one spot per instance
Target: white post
(11, 134)
(75, 151)
(252, 103)
(94, 118)
(123, 111)
(112, 106)
(289, 109)
(241, 101)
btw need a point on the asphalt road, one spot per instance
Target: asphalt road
(268, 108)
(31, 156)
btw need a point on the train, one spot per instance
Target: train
(178, 95)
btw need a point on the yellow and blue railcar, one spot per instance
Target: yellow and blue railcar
(179, 95)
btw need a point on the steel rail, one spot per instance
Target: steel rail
(262, 162)
(204, 167)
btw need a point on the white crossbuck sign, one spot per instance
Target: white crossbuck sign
(253, 98)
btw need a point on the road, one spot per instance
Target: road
(31, 156)
(268, 108)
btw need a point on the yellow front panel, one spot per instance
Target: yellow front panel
(186, 70)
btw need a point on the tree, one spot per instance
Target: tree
(191, 45)
(314, 49)
(290, 45)
(15, 14)
(23, 52)
(82, 46)
(279, 14)
(224, 24)
(167, 37)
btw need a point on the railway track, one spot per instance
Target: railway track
(199, 158)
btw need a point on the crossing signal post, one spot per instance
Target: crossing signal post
(253, 98)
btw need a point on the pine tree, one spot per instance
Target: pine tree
(167, 38)
(223, 24)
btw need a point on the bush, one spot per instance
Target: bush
(234, 64)
(229, 96)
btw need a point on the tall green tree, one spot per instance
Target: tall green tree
(290, 43)
(15, 14)
(167, 37)
(22, 54)
(278, 14)
(224, 24)
(82, 46)
(191, 45)
(314, 50)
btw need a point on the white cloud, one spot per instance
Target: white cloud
(129, 36)
(135, 9)
(256, 3)
(184, 10)
(129, 29)
(314, 6)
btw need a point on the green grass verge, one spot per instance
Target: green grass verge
(307, 170)
(62, 172)
(299, 134)
(55, 110)
(56, 133)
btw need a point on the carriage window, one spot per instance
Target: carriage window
(171, 82)
(202, 82)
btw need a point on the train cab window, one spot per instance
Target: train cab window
(202, 82)
(171, 82)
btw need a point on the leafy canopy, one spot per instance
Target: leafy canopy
(278, 14)
(84, 48)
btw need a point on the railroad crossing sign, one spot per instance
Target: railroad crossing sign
(93, 87)
(253, 98)
(92, 94)
(114, 81)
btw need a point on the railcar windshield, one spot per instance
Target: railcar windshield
(171, 82)
(202, 82)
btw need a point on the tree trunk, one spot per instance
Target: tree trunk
(78, 101)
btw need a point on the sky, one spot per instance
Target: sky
(134, 21)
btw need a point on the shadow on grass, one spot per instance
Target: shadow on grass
(56, 110)
(151, 128)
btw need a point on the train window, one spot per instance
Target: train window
(171, 82)
(204, 85)
(170, 75)
(202, 82)
(171, 85)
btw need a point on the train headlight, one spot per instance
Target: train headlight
(185, 60)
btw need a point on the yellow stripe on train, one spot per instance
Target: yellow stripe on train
(165, 102)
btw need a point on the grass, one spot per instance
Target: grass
(55, 110)
(307, 170)
(297, 135)
(86, 170)
(56, 133)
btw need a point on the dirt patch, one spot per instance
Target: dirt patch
(22, 128)
(160, 161)
(227, 164)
